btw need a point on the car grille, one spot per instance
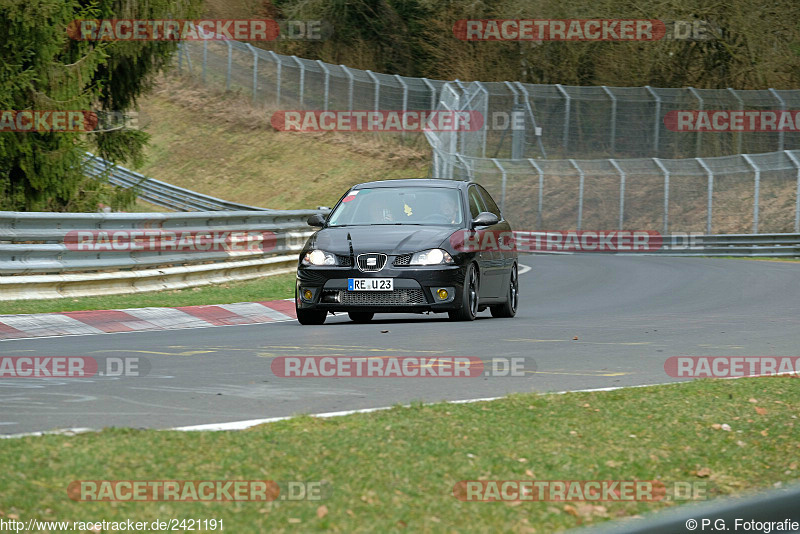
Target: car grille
(384, 298)
(380, 262)
(405, 259)
(344, 261)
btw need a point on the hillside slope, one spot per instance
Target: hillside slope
(217, 144)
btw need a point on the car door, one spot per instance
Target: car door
(505, 255)
(487, 258)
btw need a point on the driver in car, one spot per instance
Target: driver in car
(450, 210)
(379, 212)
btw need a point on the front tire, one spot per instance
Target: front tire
(311, 317)
(361, 317)
(469, 297)
(509, 307)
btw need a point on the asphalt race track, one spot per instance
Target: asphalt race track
(628, 313)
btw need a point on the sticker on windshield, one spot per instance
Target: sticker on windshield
(350, 196)
(407, 209)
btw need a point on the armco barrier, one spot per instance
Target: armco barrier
(40, 256)
(734, 245)
(160, 193)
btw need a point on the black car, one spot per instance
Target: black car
(397, 246)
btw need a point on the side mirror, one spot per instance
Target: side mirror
(316, 220)
(485, 218)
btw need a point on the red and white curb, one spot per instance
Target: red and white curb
(79, 323)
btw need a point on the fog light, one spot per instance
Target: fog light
(442, 294)
(307, 294)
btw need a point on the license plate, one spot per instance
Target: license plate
(370, 284)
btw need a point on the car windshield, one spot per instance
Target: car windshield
(398, 205)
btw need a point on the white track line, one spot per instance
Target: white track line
(241, 425)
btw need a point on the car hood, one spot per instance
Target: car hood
(389, 239)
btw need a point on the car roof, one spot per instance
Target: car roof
(414, 182)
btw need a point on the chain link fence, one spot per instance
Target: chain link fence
(558, 157)
(556, 121)
(756, 193)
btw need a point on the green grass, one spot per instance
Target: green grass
(766, 259)
(394, 470)
(275, 287)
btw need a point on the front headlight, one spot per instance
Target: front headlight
(319, 257)
(434, 256)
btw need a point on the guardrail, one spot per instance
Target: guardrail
(737, 245)
(160, 193)
(51, 255)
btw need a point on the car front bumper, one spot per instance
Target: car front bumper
(415, 289)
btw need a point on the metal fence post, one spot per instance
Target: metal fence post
(622, 177)
(533, 118)
(666, 194)
(350, 87)
(796, 163)
(255, 70)
(503, 194)
(485, 117)
(230, 66)
(278, 76)
(739, 135)
(613, 135)
(467, 168)
(781, 133)
(188, 59)
(324, 68)
(756, 188)
(517, 136)
(435, 163)
(700, 105)
(453, 149)
(405, 100)
(710, 201)
(430, 86)
(205, 58)
(377, 89)
(580, 192)
(302, 78)
(514, 91)
(541, 195)
(657, 123)
(568, 98)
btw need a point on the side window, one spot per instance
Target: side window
(475, 202)
(490, 203)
